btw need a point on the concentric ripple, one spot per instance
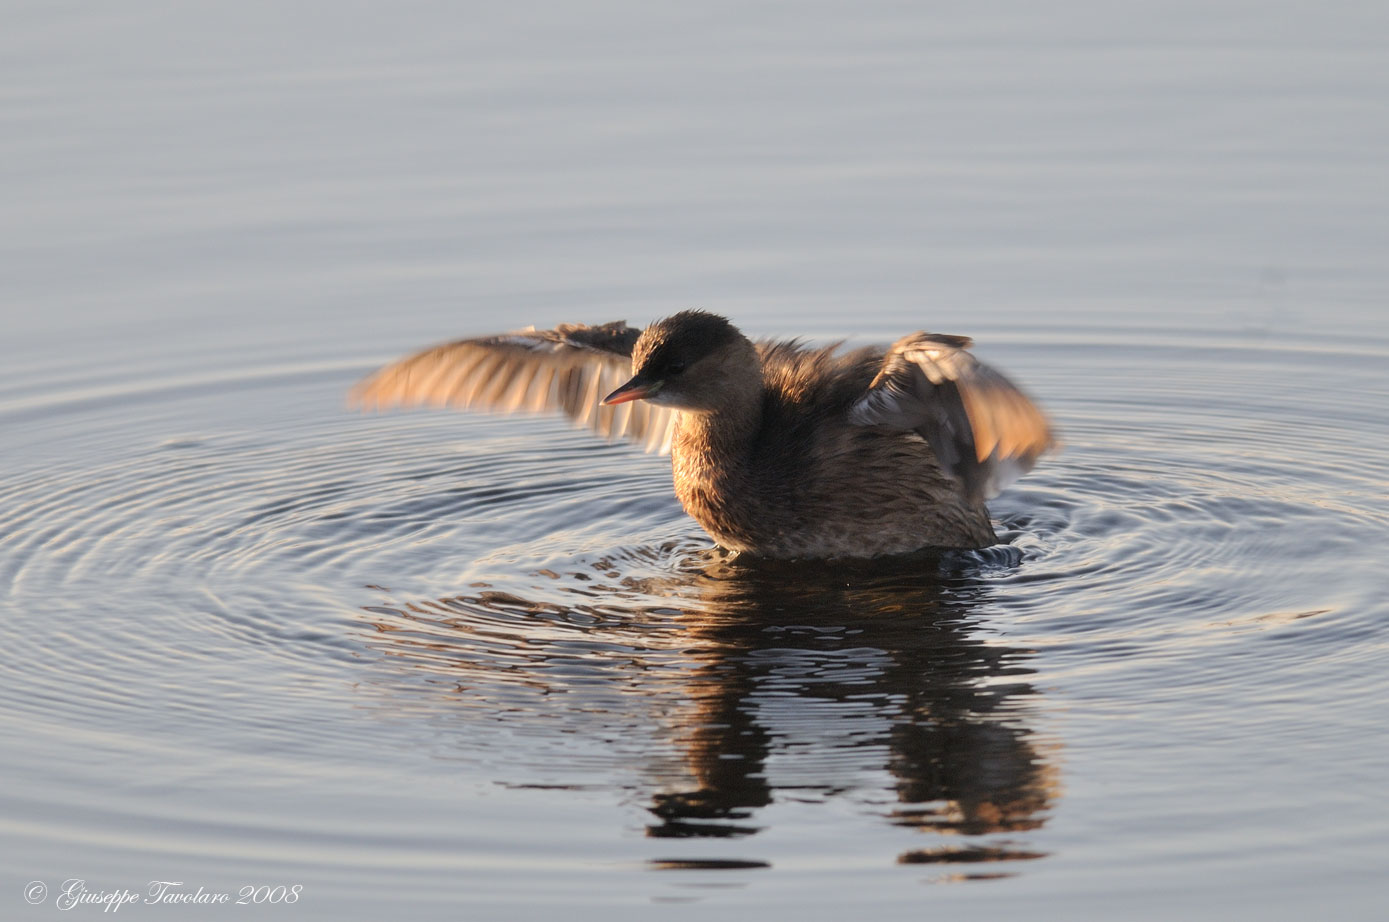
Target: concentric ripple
(518, 605)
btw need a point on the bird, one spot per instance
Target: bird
(778, 449)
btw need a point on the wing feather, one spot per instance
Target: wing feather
(569, 369)
(984, 430)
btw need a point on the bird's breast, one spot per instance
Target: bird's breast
(715, 486)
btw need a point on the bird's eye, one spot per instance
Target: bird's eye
(675, 368)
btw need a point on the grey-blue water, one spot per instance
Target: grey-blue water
(439, 666)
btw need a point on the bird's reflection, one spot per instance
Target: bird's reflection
(785, 682)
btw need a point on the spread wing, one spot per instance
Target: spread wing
(570, 368)
(984, 431)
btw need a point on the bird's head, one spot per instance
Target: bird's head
(689, 361)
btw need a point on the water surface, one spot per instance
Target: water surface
(475, 666)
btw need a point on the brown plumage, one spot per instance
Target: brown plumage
(777, 449)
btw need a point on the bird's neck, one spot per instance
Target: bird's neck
(711, 459)
(712, 448)
(722, 435)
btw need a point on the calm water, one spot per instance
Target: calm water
(473, 667)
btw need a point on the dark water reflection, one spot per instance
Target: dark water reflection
(737, 684)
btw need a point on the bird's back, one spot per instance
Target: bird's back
(811, 483)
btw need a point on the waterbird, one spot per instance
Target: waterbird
(778, 449)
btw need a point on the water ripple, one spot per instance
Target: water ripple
(532, 608)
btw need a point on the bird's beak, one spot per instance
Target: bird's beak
(635, 389)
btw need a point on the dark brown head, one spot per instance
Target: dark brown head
(689, 361)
